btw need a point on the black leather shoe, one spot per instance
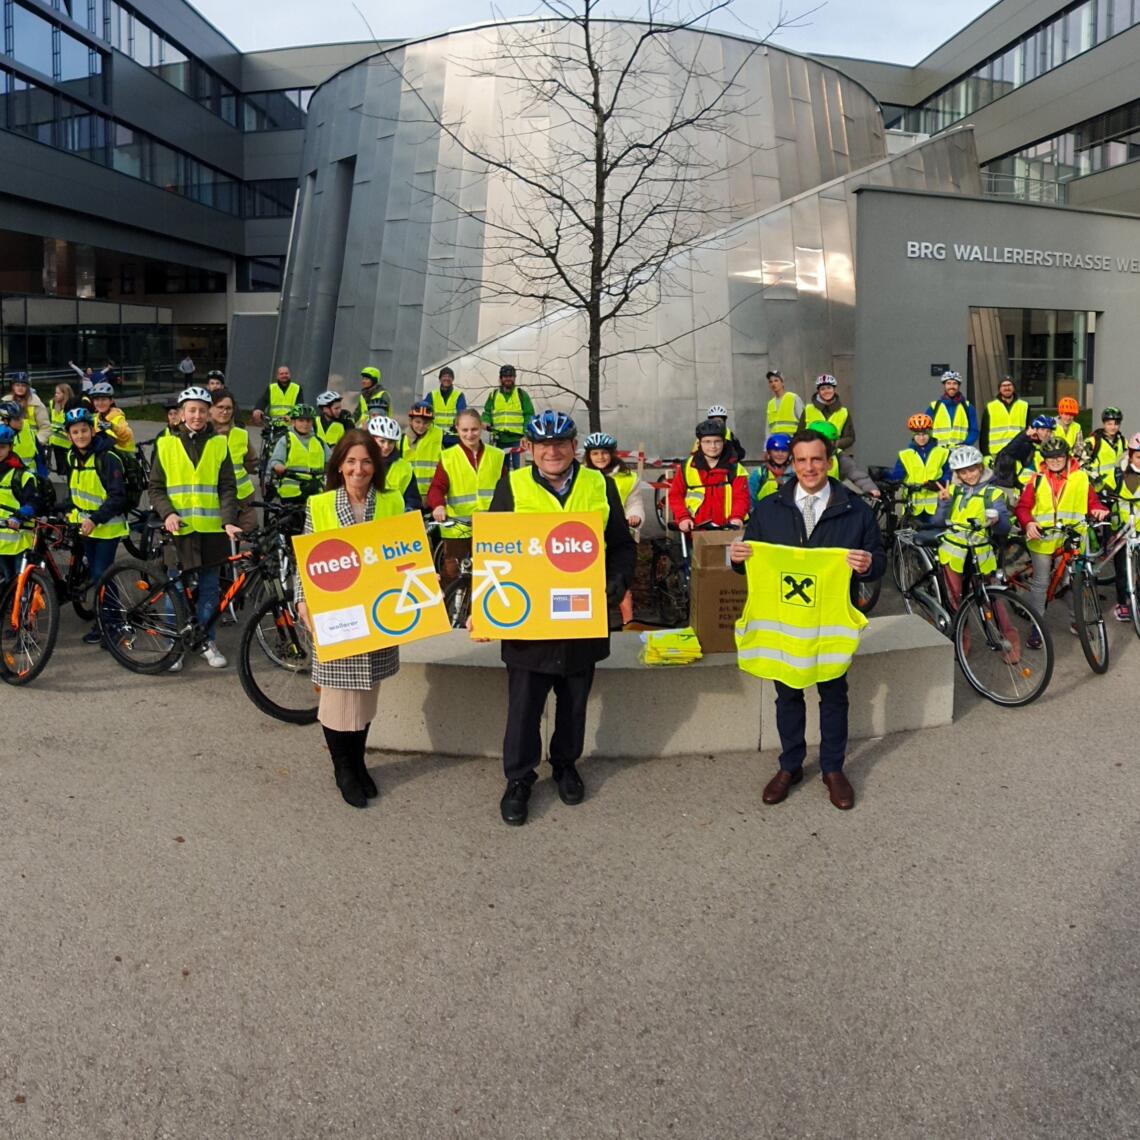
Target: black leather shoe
(571, 790)
(513, 804)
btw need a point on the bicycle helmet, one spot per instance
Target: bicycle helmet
(372, 374)
(1067, 406)
(1111, 413)
(377, 407)
(304, 412)
(1044, 422)
(216, 374)
(1055, 448)
(920, 421)
(950, 374)
(600, 440)
(781, 441)
(327, 399)
(194, 392)
(422, 408)
(20, 378)
(7, 434)
(10, 410)
(824, 380)
(550, 425)
(965, 456)
(384, 427)
(102, 389)
(709, 427)
(78, 416)
(1134, 442)
(717, 410)
(825, 428)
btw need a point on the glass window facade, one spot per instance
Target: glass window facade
(1070, 33)
(269, 198)
(260, 274)
(42, 46)
(276, 110)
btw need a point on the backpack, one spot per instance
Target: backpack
(135, 474)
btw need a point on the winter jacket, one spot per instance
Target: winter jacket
(846, 438)
(37, 411)
(713, 479)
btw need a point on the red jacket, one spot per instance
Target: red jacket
(726, 473)
(1024, 508)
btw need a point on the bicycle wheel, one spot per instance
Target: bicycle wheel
(668, 586)
(990, 645)
(908, 565)
(275, 663)
(506, 607)
(659, 500)
(457, 602)
(141, 617)
(866, 595)
(1090, 623)
(1015, 561)
(29, 626)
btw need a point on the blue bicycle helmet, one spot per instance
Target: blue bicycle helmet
(1044, 422)
(10, 410)
(781, 441)
(78, 416)
(19, 378)
(7, 434)
(549, 426)
(600, 440)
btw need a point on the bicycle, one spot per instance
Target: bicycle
(671, 574)
(985, 627)
(274, 428)
(30, 603)
(1125, 538)
(660, 488)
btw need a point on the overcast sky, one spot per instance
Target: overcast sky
(901, 31)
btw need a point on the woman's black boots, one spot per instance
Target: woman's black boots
(342, 748)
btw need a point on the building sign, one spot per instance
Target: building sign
(1020, 255)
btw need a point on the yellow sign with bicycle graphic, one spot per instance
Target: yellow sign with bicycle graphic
(535, 577)
(370, 586)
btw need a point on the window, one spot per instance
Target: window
(276, 110)
(260, 274)
(30, 40)
(269, 198)
(82, 132)
(31, 110)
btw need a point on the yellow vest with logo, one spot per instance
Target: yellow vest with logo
(331, 431)
(280, 404)
(587, 494)
(798, 626)
(423, 455)
(918, 472)
(322, 508)
(88, 494)
(58, 428)
(193, 491)
(950, 433)
(444, 408)
(959, 536)
(1051, 514)
(507, 413)
(782, 414)
(303, 455)
(695, 489)
(469, 490)
(12, 541)
(1004, 424)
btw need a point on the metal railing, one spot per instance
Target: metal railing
(996, 185)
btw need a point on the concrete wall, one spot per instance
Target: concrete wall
(913, 312)
(1115, 189)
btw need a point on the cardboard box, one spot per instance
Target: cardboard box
(717, 592)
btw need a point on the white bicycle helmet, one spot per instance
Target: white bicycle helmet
(950, 374)
(102, 389)
(717, 410)
(965, 456)
(384, 427)
(825, 380)
(194, 393)
(327, 398)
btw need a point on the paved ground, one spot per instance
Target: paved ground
(201, 940)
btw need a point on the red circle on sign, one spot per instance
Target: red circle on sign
(333, 565)
(572, 547)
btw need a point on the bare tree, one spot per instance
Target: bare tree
(597, 170)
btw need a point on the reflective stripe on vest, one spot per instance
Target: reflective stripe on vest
(237, 440)
(12, 541)
(444, 407)
(280, 404)
(1005, 424)
(587, 494)
(782, 414)
(950, 433)
(193, 490)
(959, 536)
(88, 494)
(920, 471)
(798, 625)
(1051, 514)
(423, 454)
(695, 489)
(322, 508)
(469, 490)
(507, 413)
(303, 454)
(1106, 456)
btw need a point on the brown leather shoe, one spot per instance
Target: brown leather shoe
(840, 790)
(776, 790)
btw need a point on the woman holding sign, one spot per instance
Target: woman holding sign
(355, 493)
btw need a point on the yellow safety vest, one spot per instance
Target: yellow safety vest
(331, 431)
(445, 408)
(959, 537)
(624, 481)
(1068, 434)
(1004, 424)
(768, 484)
(950, 433)
(695, 489)
(322, 508)
(782, 414)
(58, 428)
(423, 454)
(1051, 514)
(24, 445)
(918, 472)
(12, 541)
(507, 413)
(193, 491)
(469, 490)
(812, 415)
(398, 474)
(306, 454)
(280, 404)
(798, 626)
(88, 494)
(1106, 456)
(588, 493)
(237, 439)
(1128, 505)
(377, 395)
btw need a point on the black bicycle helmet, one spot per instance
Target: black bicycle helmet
(709, 427)
(1055, 448)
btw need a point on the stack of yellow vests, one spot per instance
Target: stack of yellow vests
(670, 647)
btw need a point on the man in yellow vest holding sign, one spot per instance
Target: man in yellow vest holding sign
(799, 626)
(555, 482)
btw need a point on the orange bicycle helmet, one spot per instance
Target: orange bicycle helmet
(920, 421)
(1067, 406)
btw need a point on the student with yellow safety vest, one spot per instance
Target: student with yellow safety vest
(62, 399)
(1123, 485)
(1004, 419)
(800, 627)
(770, 476)
(1067, 427)
(279, 399)
(25, 445)
(299, 456)
(922, 467)
(733, 448)
(784, 407)
(398, 473)
(554, 482)
(243, 455)
(193, 490)
(507, 410)
(35, 414)
(1105, 447)
(464, 483)
(97, 487)
(447, 402)
(1058, 496)
(710, 486)
(334, 421)
(17, 505)
(954, 418)
(374, 399)
(355, 493)
(1015, 464)
(826, 406)
(422, 446)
